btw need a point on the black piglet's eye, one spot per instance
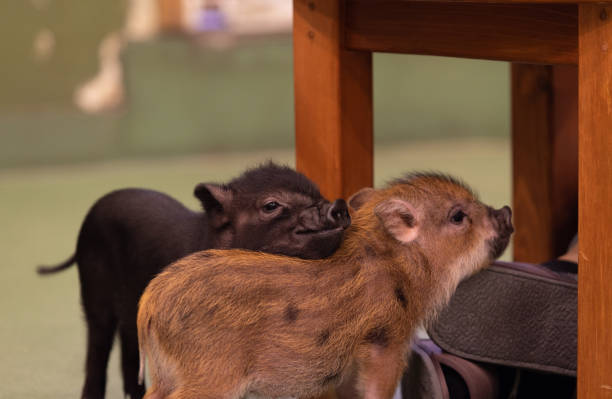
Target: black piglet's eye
(271, 206)
(458, 217)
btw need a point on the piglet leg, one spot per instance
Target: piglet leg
(377, 374)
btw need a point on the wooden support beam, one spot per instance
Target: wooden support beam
(595, 199)
(510, 1)
(544, 160)
(333, 101)
(532, 33)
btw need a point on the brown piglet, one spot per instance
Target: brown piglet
(229, 324)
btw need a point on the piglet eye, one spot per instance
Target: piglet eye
(458, 217)
(270, 206)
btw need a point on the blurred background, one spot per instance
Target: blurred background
(163, 94)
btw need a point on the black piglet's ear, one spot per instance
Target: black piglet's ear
(216, 201)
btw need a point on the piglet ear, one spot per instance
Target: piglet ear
(216, 201)
(360, 197)
(399, 219)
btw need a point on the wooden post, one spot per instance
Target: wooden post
(595, 200)
(333, 101)
(545, 159)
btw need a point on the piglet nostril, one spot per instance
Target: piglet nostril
(338, 213)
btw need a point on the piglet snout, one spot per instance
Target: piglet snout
(503, 217)
(338, 214)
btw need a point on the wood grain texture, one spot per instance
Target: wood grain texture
(511, 1)
(533, 33)
(333, 101)
(544, 160)
(595, 199)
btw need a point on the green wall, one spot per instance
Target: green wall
(182, 98)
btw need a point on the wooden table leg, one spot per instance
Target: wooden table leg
(545, 159)
(333, 101)
(595, 200)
